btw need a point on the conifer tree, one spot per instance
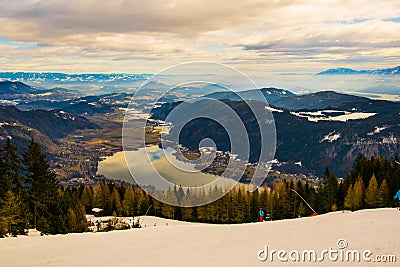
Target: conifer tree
(42, 184)
(80, 214)
(330, 190)
(71, 221)
(341, 195)
(167, 211)
(10, 214)
(301, 210)
(62, 224)
(128, 203)
(103, 198)
(358, 193)
(87, 198)
(179, 194)
(383, 195)
(371, 194)
(116, 202)
(10, 169)
(349, 199)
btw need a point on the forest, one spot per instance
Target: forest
(31, 197)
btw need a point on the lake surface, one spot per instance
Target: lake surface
(115, 167)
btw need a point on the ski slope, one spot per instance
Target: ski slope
(194, 244)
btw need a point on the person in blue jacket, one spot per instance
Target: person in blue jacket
(261, 214)
(397, 196)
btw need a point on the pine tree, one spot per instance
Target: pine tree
(358, 193)
(330, 190)
(180, 194)
(62, 224)
(341, 195)
(168, 211)
(87, 198)
(349, 199)
(301, 209)
(371, 194)
(10, 214)
(42, 184)
(383, 195)
(55, 211)
(360, 169)
(103, 198)
(10, 170)
(80, 214)
(128, 203)
(3, 226)
(71, 221)
(116, 202)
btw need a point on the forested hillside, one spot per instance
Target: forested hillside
(30, 196)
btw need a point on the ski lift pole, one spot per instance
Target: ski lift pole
(146, 213)
(148, 210)
(304, 201)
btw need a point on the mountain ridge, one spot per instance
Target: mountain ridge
(333, 135)
(44, 125)
(270, 93)
(349, 71)
(9, 87)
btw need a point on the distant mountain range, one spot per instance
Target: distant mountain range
(18, 93)
(347, 71)
(320, 100)
(26, 97)
(8, 88)
(63, 77)
(85, 84)
(270, 94)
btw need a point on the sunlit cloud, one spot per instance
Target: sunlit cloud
(147, 36)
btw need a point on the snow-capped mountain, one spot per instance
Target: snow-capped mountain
(348, 71)
(63, 77)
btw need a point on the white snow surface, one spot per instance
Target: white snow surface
(377, 130)
(273, 109)
(316, 116)
(194, 244)
(8, 102)
(333, 136)
(45, 94)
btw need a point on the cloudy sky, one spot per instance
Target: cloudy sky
(146, 36)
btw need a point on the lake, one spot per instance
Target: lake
(115, 167)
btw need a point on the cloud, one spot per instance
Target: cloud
(185, 18)
(242, 32)
(335, 41)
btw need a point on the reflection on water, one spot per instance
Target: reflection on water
(197, 188)
(115, 167)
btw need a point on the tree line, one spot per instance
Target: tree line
(372, 183)
(30, 196)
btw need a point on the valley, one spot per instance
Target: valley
(314, 131)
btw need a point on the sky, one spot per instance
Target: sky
(255, 36)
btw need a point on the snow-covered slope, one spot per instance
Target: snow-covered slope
(188, 244)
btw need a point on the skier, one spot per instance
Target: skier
(261, 214)
(397, 196)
